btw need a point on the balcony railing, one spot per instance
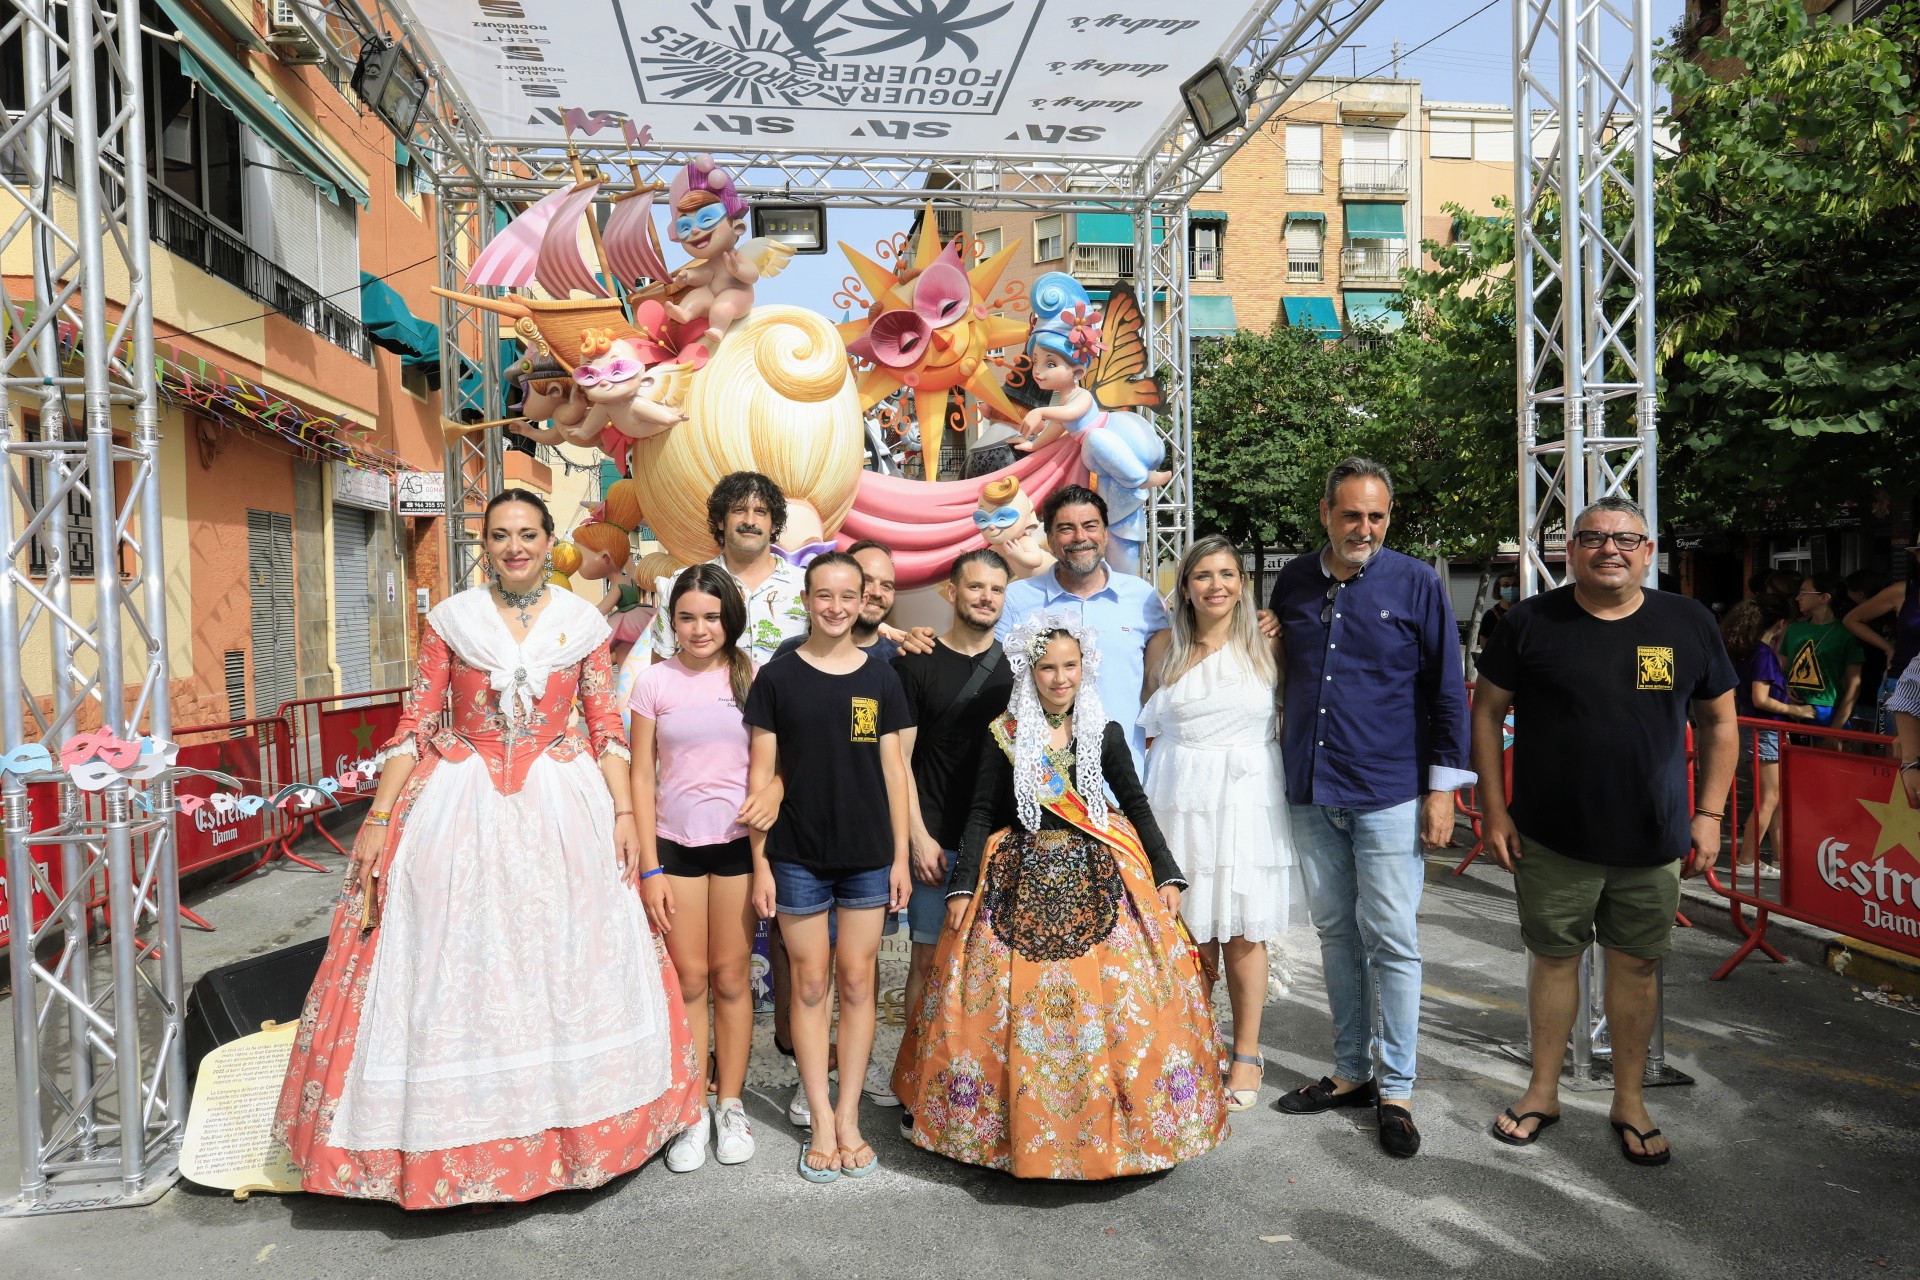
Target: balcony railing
(1305, 176)
(218, 252)
(1303, 268)
(1103, 261)
(1204, 264)
(1373, 264)
(1374, 177)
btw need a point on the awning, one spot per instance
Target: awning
(1302, 216)
(1206, 215)
(1377, 221)
(1374, 311)
(205, 61)
(1210, 317)
(1111, 228)
(1313, 313)
(391, 325)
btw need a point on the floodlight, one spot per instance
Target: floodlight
(1213, 101)
(391, 82)
(801, 227)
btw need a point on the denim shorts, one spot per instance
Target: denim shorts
(927, 908)
(802, 891)
(1769, 745)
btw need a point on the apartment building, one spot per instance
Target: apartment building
(293, 247)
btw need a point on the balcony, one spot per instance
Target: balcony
(1102, 262)
(1302, 268)
(1203, 264)
(191, 235)
(1305, 177)
(1379, 264)
(1374, 177)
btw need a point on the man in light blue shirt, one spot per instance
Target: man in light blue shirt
(1125, 610)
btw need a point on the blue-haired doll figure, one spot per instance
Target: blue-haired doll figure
(1094, 364)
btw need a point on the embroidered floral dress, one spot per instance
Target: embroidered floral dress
(1065, 1032)
(510, 1026)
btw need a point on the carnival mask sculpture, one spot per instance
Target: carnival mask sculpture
(709, 222)
(1008, 524)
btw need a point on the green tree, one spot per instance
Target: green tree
(1788, 264)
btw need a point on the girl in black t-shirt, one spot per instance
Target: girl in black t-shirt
(828, 716)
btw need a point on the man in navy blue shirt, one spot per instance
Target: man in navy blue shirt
(1375, 739)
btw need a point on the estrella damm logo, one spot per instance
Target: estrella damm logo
(866, 720)
(1655, 667)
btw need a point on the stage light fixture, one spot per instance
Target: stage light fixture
(390, 82)
(801, 227)
(1213, 100)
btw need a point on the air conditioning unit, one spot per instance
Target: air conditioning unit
(289, 36)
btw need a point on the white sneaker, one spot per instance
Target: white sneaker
(799, 1114)
(689, 1151)
(879, 1086)
(733, 1133)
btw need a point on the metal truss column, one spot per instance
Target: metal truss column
(100, 1070)
(1584, 336)
(469, 348)
(1163, 296)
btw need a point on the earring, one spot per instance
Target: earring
(549, 562)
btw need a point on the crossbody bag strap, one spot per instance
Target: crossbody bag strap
(982, 669)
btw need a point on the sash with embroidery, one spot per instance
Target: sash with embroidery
(1057, 795)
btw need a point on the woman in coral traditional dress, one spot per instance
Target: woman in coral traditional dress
(1065, 1032)
(493, 1019)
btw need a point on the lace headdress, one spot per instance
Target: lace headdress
(1024, 647)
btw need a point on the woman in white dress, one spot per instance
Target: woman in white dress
(1214, 780)
(493, 1019)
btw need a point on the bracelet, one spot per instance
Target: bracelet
(1708, 813)
(376, 822)
(1910, 764)
(381, 814)
(623, 813)
(656, 871)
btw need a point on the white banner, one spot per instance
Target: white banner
(1033, 78)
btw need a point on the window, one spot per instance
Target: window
(292, 224)
(990, 241)
(1049, 238)
(1303, 158)
(1450, 139)
(1206, 257)
(78, 506)
(193, 142)
(419, 382)
(1493, 140)
(1304, 246)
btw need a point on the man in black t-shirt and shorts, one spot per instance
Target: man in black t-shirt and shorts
(1601, 676)
(953, 694)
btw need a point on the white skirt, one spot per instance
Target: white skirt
(516, 987)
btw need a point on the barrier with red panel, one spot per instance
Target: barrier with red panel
(1850, 846)
(326, 740)
(255, 753)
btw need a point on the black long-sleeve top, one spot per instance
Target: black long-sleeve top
(993, 808)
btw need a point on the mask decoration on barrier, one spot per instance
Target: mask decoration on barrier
(931, 331)
(1008, 523)
(1095, 363)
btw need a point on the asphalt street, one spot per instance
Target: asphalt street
(1797, 1153)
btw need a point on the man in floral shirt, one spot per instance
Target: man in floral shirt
(746, 512)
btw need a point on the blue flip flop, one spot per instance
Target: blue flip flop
(859, 1170)
(819, 1177)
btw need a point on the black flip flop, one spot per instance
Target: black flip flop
(1640, 1157)
(1524, 1139)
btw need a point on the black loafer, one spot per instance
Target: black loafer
(1312, 1099)
(1398, 1137)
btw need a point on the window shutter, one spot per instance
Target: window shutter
(1303, 142)
(1303, 238)
(270, 582)
(352, 612)
(1450, 139)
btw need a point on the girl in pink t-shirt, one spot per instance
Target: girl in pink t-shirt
(689, 792)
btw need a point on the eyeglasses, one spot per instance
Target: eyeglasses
(1326, 607)
(1594, 539)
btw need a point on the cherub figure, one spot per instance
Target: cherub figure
(1089, 360)
(1006, 520)
(709, 222)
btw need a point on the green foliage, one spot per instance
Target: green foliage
(1789, 264)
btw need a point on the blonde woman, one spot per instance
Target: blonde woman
(1214, 781)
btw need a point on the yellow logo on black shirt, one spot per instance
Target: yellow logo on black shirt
(866, 720)
(1656, 667)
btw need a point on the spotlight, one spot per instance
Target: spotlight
(803, 227)
(390, 82)
(1213, 101)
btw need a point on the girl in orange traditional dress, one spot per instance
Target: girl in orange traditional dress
(493, 1019)
(1066, 1031)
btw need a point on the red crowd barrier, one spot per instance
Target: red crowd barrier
(326, 738)
(1849, 855)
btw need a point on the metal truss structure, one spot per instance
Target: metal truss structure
(1583, 275)
(1583, 265)
(101, 1072)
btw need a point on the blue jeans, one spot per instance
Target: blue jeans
(1364, 873)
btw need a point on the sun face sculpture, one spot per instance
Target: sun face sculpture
(931, 331)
